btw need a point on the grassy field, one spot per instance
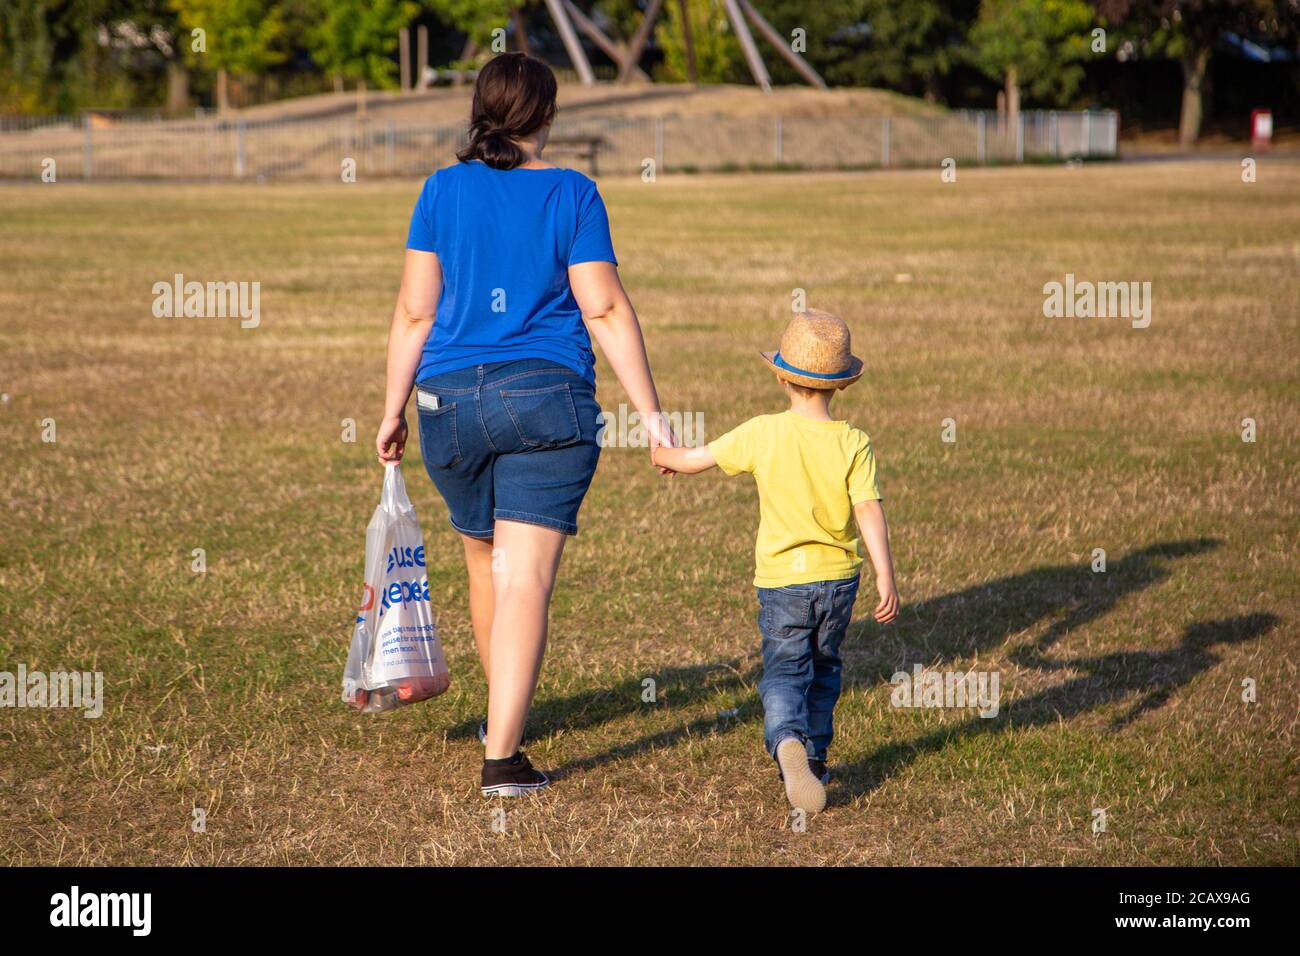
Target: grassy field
(1121, 691)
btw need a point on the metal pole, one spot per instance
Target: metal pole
(884, 142)
(794, 59)
(688, 39)
(391, 147)
(659, 144)
(239, 150)
(598, 37)
(571, 42)
(639, 40)
(87, 151)
(1020, 139)
(1056, 137)
(748, 45)
(521, 30)
(778, 144)
(1087, 134)
(404, 56)
(979, 125)
(421, 56)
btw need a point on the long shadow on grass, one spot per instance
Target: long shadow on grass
(984, 616)
(945, 628)
(674, 687)
(1144, 680)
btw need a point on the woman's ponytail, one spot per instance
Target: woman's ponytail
(492, 145)
(514, 97)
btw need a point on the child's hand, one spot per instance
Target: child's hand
(663, 469)
(661, 436)
(887, 609)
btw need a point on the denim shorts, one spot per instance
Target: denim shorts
(514, 441)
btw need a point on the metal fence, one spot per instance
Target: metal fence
(208, 148)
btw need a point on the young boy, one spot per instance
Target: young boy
(815, 476)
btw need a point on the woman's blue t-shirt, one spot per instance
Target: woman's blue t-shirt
(505, 240)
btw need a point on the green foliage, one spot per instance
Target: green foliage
(907, 45)
(27, 66)
(241, 36)
(718, 57)
(1041, 40)
(1178, 28)
(477, 18)
(624, 15)
(61, 55)
(357, 40)
(913, 43)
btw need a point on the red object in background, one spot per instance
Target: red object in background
(1261, 128)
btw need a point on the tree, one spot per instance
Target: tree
(238, 36)
(1186, 30)
(476, 18)
(356, 39)
(27, 63)
(907, 45)
(916, 43)
(717, 51)
(1034, 45)
(156, 25)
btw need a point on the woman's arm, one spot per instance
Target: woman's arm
(417, 302)
(613, 324)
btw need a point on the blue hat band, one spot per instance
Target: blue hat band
(781, 363)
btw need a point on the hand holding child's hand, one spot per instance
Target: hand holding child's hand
(887, 609)
(661, 436)
(663, 470)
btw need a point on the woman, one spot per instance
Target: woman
(510, 272)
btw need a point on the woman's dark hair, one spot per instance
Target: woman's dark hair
(514, 97)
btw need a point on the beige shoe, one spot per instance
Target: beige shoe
(802, 788)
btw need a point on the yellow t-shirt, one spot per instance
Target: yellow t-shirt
(810, 474)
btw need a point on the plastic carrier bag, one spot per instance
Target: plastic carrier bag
(396, 657)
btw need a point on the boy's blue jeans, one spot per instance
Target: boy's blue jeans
(802, 627)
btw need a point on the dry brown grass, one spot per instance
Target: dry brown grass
(707, 127)
(1120, 691)
(451, 104)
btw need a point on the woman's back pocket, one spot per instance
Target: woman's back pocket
(439, 443)
(544, 417)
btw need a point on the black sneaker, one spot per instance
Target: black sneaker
(512, 777)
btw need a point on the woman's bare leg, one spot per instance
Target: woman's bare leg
(478, 561)
(523, 575)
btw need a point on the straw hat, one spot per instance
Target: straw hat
(815, 352)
